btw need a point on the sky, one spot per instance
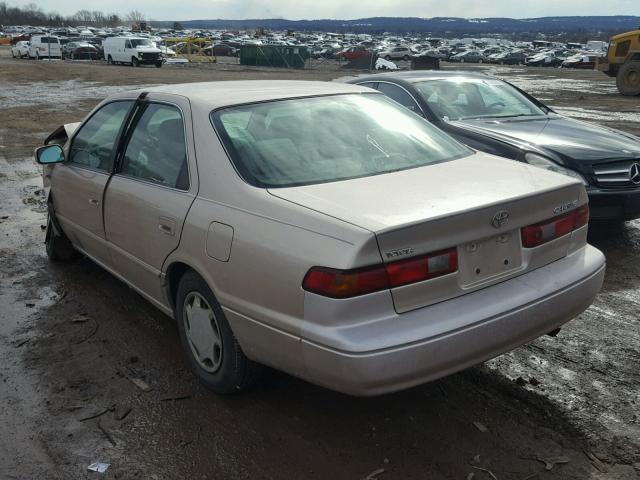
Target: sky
(340, 9)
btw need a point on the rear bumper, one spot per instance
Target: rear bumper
(614, 205)
(495, 320)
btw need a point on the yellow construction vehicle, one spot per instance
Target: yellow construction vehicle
(623, 62)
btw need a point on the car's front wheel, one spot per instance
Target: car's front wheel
(214, 353)
(59, 247)
(135, 62)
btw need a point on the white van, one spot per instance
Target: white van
(134, 51)
(45, 46)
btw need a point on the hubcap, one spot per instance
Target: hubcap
(202, 331)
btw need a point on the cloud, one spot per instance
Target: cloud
(313, 9)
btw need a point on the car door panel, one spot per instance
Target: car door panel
(77, 197)
(143, 216)
(78, 184)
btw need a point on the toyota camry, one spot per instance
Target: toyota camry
(317, 228)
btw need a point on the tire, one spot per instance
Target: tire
(387, 57)
(479, 60)
(110, 60)
(223, 367)
(37, 56)
(628, 79)
(462, 60)
(135, 62)
(406, 57)
(58, 246)
(159, 64)
(13, 55)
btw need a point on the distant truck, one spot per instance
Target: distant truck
(623, 62)
(132, 51)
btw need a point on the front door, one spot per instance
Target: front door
(151, 191)
(78, 184)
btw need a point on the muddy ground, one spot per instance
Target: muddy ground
(76, 343)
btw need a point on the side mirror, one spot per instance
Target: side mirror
(49, 154)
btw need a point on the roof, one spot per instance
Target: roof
(226, 93)
(420, 75)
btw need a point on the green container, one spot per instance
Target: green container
(280, 56)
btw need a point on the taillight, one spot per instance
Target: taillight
(543, 232)
(331, 282)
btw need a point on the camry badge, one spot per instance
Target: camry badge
(634, 174)
(500, 218)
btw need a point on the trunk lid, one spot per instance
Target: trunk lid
(451, 204)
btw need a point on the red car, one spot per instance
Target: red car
(352, 53)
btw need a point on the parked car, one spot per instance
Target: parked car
(544, 59)
(220, 50)
(495, 117)
(20, 49)
(508, 58)
(581, 61)
(353, 53)
(79, 51)
(321, 229)
(134, 51)
(396, 53)
(44, 46)
(469, 56)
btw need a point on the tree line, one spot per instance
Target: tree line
(33, 15)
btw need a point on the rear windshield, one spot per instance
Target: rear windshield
(48, 40)
(324, 139)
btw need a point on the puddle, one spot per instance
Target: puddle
(56, 94)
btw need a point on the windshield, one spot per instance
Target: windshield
(460, 99)
(325, 139)
(140, 43)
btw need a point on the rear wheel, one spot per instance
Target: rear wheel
(159, 64)
(406, 57)
(628, 79)
(110, 60)
(13, 55)
(387, 57)
(214, 353)
(135, 62)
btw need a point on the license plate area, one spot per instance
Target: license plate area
(490, 258)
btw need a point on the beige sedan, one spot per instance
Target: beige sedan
(318, 228)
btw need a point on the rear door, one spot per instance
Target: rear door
(150, 193)
(77, 185)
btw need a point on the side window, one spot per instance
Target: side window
(127, 44)
(399, 95)
(623, 48)
(93, 145)
(156, 151)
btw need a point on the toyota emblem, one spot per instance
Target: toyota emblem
(501, 218)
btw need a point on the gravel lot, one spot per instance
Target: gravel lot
(77, 345)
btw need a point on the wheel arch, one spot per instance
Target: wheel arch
(176, 269)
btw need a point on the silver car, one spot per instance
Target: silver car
(318, 228)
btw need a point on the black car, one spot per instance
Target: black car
(496, 117)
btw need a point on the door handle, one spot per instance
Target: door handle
(94, 202)
(167, 225)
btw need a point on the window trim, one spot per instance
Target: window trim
(424, 115)
(116, 145)
(122, 149)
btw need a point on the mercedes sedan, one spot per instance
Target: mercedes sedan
(318, 228)
(495, 117)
